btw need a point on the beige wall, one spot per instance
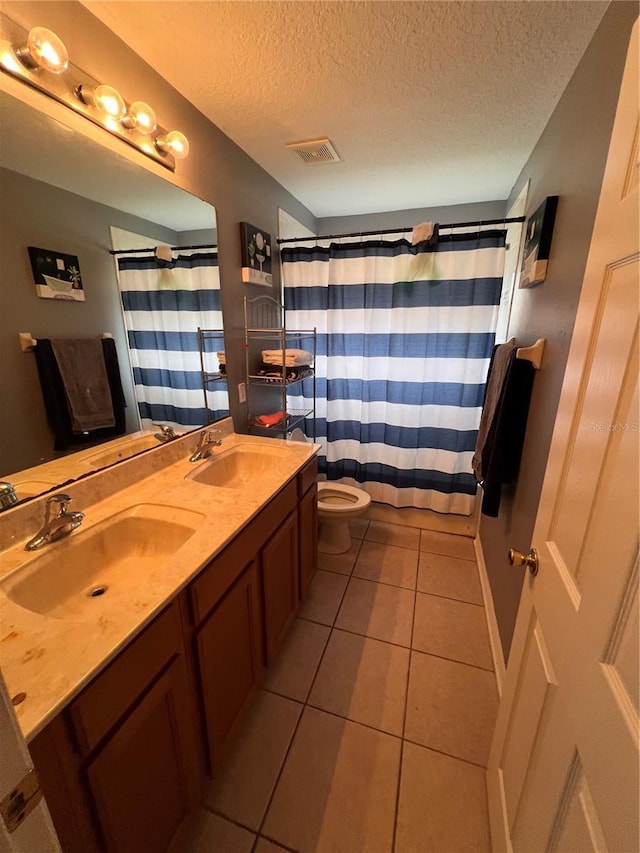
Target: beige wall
(567, 161)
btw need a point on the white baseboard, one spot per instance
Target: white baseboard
(490, 613)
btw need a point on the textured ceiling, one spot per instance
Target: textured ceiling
(427, 102)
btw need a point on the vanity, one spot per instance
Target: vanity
(171, 601)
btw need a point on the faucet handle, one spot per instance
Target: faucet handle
(59, 498)
(62, 499)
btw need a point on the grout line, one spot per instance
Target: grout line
(273, 841)
(452, 660)
(404, 726)
(392, 544)
(449, 598)
(304, 706)
(447, 754)
(233, 820)
(451, 556)
(355, 722)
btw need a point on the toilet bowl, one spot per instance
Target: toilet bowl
(337, 506)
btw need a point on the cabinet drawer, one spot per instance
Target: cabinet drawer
(216, 578)
(308, 476)
(116, 689)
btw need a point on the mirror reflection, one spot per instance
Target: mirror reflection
(78, 202)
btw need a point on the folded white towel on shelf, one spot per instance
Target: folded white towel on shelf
(292, 357)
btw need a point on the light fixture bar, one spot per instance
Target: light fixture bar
(64, 88)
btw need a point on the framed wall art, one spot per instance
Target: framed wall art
(256, 255)
(537, 245)
(56, 275)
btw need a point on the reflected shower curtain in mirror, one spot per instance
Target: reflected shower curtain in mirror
(405, 335)
(164, 302)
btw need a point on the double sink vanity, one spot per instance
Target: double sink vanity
(133, 645)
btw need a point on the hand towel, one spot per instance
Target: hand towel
(270, 420)
(86, 385)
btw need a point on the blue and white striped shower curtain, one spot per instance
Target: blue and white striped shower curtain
(405, 335)
(163, 304)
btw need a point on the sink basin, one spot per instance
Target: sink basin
(68, 578)
(240, 467)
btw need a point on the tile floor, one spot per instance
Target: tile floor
(372, 731)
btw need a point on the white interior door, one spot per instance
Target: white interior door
(563, 769)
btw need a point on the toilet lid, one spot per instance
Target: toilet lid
(297, 435)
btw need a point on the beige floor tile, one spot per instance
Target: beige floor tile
(342, 563)
(443, 805)
(451, 707)
(387, 564)
(377, 610)
(322, 599)
(449, 576)
(393, 534)
(337, 791)
(292, 672)
(445, 543)
(358, 527)
(451, 629)
(363, 679)
(207, 832)
(242, 787)
(266, 846)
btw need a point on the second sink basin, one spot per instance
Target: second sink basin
(66, 577)
(240, 466)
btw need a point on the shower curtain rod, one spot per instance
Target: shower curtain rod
(401, 230)
(151, 248)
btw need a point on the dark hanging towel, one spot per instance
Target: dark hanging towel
(503, 424)
(55, 400)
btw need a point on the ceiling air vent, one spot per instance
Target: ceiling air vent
(315, 151)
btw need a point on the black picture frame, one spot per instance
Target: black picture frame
(537, 247)
(256, 255)
(56, 275)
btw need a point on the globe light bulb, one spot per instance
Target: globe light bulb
(175, 143)
(107, 100)
(140, 117)
(44, 49)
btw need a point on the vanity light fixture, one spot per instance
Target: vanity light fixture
(44, 49)
(40, 59)
(174, 142)
(141, 117)
(107, 100)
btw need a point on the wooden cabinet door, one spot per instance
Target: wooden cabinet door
(230, 659)
(139, 779)
(308, 536)
(280, 567)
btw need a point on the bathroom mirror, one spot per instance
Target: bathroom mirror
(68, 194)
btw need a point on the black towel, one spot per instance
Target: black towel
(55, 400)
(502, 448)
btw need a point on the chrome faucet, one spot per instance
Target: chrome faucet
(205, 445)
(167, 433)
(60, 525)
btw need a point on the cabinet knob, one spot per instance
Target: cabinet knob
(520, 560)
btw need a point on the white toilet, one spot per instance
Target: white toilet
(337, 506)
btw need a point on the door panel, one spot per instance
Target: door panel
(563, 769)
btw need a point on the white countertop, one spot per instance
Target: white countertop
(51, 659)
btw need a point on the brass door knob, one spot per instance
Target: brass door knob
(529, 561)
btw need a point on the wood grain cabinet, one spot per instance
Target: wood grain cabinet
(279, 560)
(119, 767)
(229, 644)
(124, 762)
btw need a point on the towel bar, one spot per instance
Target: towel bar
(533, 353)
(28, 342)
